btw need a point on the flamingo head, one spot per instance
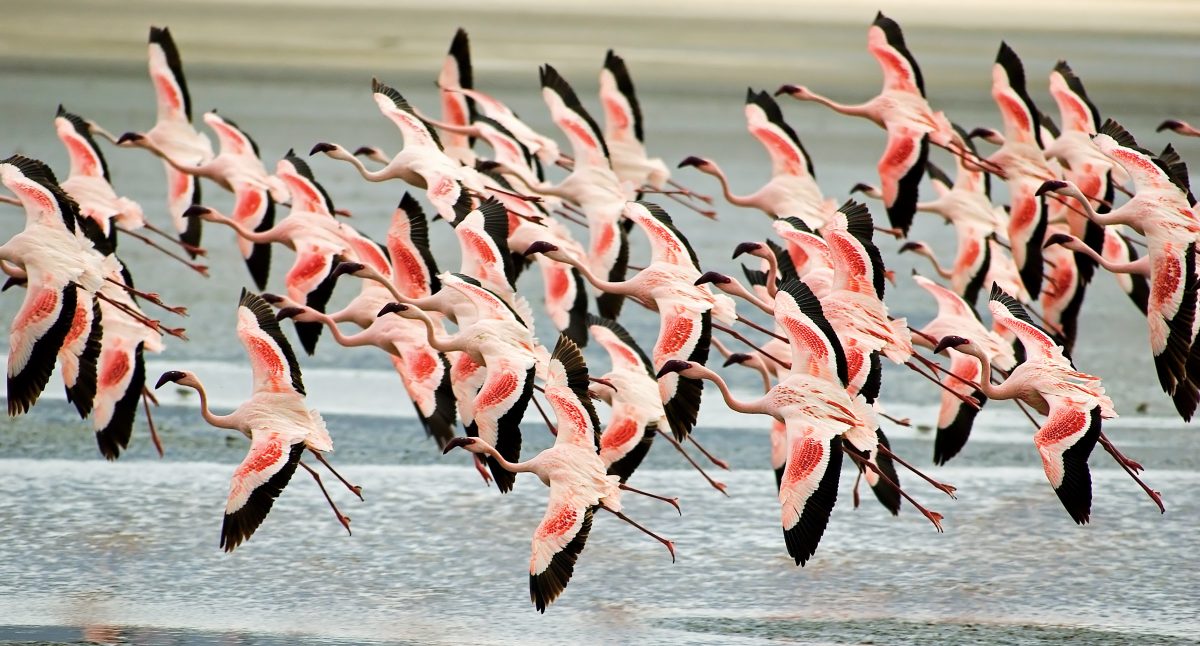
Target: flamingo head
(541, 246)
(327, 148)
(916, 247)
(747, 247)
(199, 211)
(1169, 124)
(674, 365)
(949, 341)
(1058, 238)
(714, 277)
(352, 268)
(289, 313)
(863, 187)
(1051, 186)
(701, 164)
(737, 358)
(393, 308)
(131, 139)
(181, 377)
(798, 92)
(13, 281)
(469, 443)
(988, 135)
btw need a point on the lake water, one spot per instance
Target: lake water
(128, 552)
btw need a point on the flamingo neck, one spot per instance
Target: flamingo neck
(241, 230)
(754, 407)
(511, 467)
(863, 110)
(738, 200)
(438, 342)
(220, 421)
(611, 287)
(367, 174)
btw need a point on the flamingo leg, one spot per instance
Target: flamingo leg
(142, 318)
(190, 248)
(756, 326)
(735, 334)
(970, 401)
(898, 422)
(719, 463)
(343, 519)
(569, 217)
(1126, 465)
(354, 489)
(708, 213)
(674, 502)
(690, 193)
(854, 492)
(198, 268)
(482, 467)
(150, 297)
(146, 398)
(669, 544)
(719, 486)
(553, 430)
(941, 486)
(933, 516)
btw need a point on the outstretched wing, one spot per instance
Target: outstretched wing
(885, 41)
(166, 72)
(272, 361)
(556, 545)
(258, 481)
(587, 142)
(808, 488)
(1065, 441)
(765, 121)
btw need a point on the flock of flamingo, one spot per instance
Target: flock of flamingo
(463, 342)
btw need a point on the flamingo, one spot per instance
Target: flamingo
(89, 182)
(457, 108)
(276, 419)
(956, 316)
(575, 473)
(1178, 127)
(311, 230)
(792, 190)
(500, 341)
(1023, 165)
(593, 186)
(1162, 210)
(421, 163)
(902, 110)
(173, 136)
(1093, 172)
(1074, 402)
(668, 285)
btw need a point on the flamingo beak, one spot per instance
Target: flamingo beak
(541, 246)
(322, 148)
(712, 277)
(361, 151)
(746, 247)
(674, 365)
(457, 442)
(861, 188)
(949, 342)
(909, 246)
(736, 357)
(272, 298)
(129, 138)
(1169, 124)
(392, 308)
(1057, 238)
(288, 312)
(1052, 185)
(347, 268)
(692, 161)
(196, 211)
(170, 375)
(787, 89)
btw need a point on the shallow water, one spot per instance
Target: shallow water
(128, 551)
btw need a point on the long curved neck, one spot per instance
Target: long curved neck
(944, 273)
(737, 200)
(1139, 266)
(367, 174)
(437, 341)
(736, 288)
(1103, 219)
(1005, 390)
(511, 467)
(863, 110)
(220, 421)
(611, 287)
(242, 231)
(754, 407)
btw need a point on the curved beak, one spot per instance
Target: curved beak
(196, 211)
(948, 342)
(1053, 185)
(346, 268)
(746, 247)
(736, 357)
(391, 308)
(322, 148)
(541, 246)
(288, 312)
(712, 277)
(1057, 238)
(168, 376)
(129, 138)
(692, 161)
(457, 442)
(674, 365)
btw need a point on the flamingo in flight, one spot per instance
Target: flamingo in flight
(276, 419)
(1074, 402)
(574, 471)
(173, 136)
(902, 110)
(792, 190)
(1162, 210)
(318, 238)
(1178, 127)
(458, 109)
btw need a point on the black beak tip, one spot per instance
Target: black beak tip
(287, 313)
(540, 246)
(712, 277)
(128, 138)
(674, 365)
(196, 211)
(736, 357)
(321, 147)
(391, 308)
(168, 376)
(1049, 186)
(692, 160)
(1169, 124)
(746, 247)
(347, 268)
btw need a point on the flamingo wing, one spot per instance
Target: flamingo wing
(1020, 115)
(858, 265)
(456, 73)
(815, 346)
(1119, 249)
(885, 41)
(37, 333)
(1171, 316)
(622, 114)
(765, 121)
(76, 135)
(567, 393)
(808, 487)
(258, 481)
(166, 72)
(900, 170)
(272, 361)
(556, 544)
(183, 192)
(1012, 315)
(1077, 110)
(565, 298)
(483, 239)
(305, 193)
(414, 270)
(667, 242)
(683, 333)
(1026, 233)
(587, 142)
(255, 210)
(498, 409)
(311, 281)
(413, 129)
(426, 377)
(122, 377)
(1064, 441)
(626, 440)
(80, 354)
(232, 139)
(955, 418)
